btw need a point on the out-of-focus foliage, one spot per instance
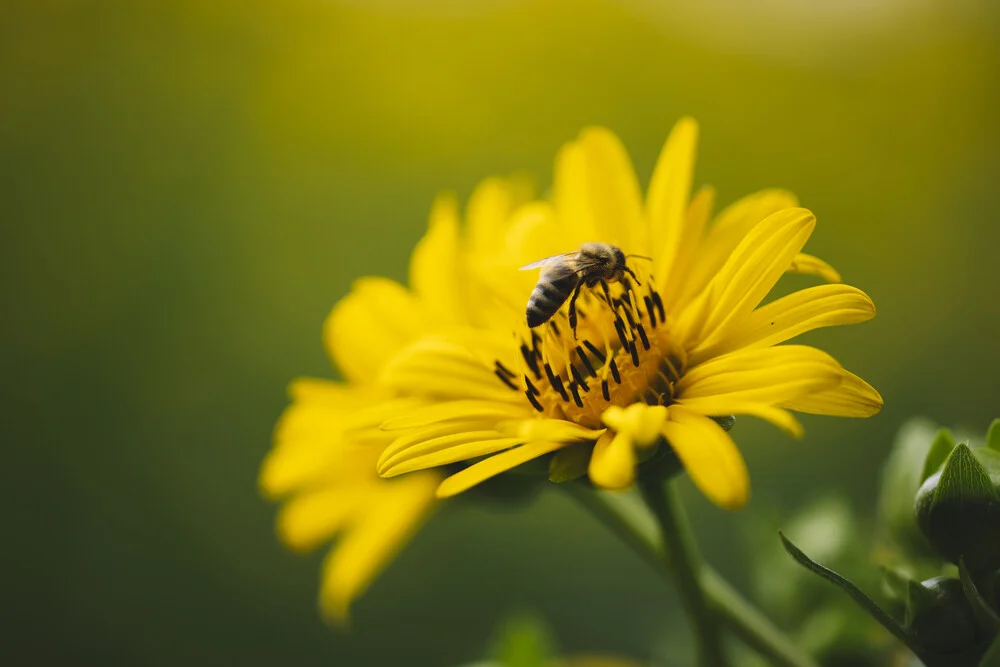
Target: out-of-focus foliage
(189, 186)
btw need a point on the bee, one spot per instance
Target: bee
(566, 274)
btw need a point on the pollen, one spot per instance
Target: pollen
(621, 353)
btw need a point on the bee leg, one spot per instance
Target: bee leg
(632, 273)
(572, 308)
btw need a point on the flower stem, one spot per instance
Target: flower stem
(681, 556)
(624, 516)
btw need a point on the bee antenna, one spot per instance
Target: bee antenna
(640, 257)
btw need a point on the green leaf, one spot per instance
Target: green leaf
(869, 605)
(993, 435)
(941, 447)
(986, 616)
(964, 480)
(524, 641)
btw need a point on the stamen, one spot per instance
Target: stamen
(634, 351)
(595, 351)
(586, 361)
(659, 306)
(530, 358)
(503, 369)
(531, 387)
(605, 390)
(620, 328)
(555, 327)
(628, 314)
(576, 394)
(642, 336)
(556, 382)
(614, 372)
(579, 378)
(506, 380)
(675, 375)
(649, 309)
(534, 401)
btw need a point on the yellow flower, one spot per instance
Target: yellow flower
(445, 377)
(687, 341)
(328, 441)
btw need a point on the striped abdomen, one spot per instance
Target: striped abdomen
(553, 288)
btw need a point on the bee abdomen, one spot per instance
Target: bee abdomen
(551, 292)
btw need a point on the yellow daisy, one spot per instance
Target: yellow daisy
(328, 441)
(687, 341)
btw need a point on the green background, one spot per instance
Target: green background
(188, 187)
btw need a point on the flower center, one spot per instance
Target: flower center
(621, 353)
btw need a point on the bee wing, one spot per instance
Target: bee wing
(548, 261)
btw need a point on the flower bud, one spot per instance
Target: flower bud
(958, 508)
(938, 615)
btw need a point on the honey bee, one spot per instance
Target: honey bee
(566, 274)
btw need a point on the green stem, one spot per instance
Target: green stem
(681, 556)
(621, 514)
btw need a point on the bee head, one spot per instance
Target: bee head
(618, 255)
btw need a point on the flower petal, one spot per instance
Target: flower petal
(731, 225)
(312, 517)
(434, 268)
(667, 199)
(453, 410)
(697, 218)
(641, 422)
(813, 266)
(710, 457)
(613, 461)
(494, 465)
(613, 191)
(400, 508)
(750, 273)
(853, 397)
(443, 369)
(444, 450)
(797, 313)
(770, 376)
(367, 327)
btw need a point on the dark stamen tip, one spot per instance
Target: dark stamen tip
(642, 336)
(534, 401)
(586, 362)
(605, 390)
(614, 372)
(506, 380)
(579, 378)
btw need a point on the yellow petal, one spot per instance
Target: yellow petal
(443, 369)
(613, 190)
(494, 465)
(405, 440)
(667, 199)
(770, 376)
(641, 422)
(813, 266)
(444, 450)
(368, 326)
(576, 222)
(435, 275)
(731, 225)
(538, 428)
(797, 313)
(489, 210)
(727, 405)
(698, 215)
(612, 464)
(453, 410)
(750, 272)
(312, 517)
(853, 397)
(710, 457)
(373, 540)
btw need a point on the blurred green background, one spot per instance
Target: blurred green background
(188, 187)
